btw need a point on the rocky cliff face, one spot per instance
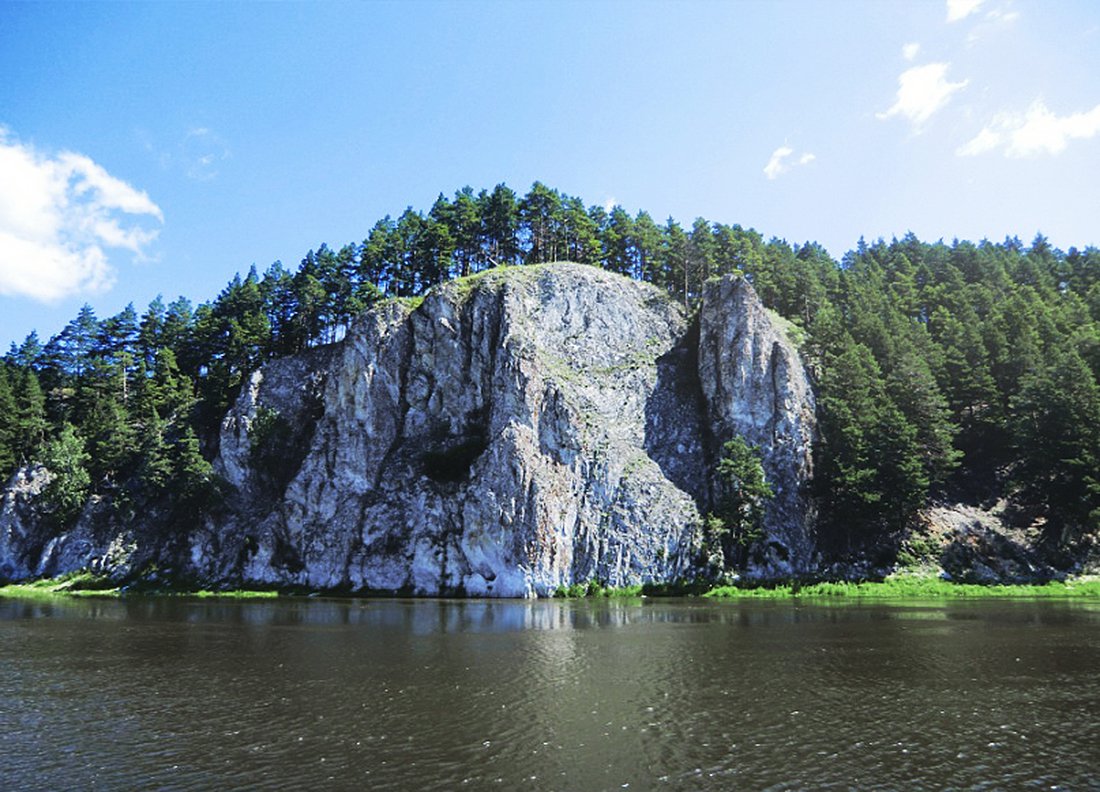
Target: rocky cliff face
(755, 386)
(518, 430)
(20, 522)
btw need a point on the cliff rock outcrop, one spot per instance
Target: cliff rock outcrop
(518, 430)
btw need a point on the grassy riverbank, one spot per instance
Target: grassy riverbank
(910, 587)
(594, 589)
(78, 584)
(85, 584)
(897, 587)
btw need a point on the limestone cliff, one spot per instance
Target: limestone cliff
(519, 430)
(20, 521)
(755, 386)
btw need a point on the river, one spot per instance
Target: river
(423, 695)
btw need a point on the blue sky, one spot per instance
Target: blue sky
(159, 148)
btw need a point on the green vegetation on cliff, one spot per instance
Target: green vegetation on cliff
(939, 368)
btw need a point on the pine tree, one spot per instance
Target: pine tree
(30, 415)
(702, 256)
(736, 250)
(580, 232)
(870, 474)
(1056, 428)
(434, 255)
(178, 324)
(541, 221)
(150, 335)
(71, 350)
(66, 459)
(646, 243)
(27, 354)
(674, 261)
(499, 211)
(407, 272)
(9, 430)
(616, 242)
(465, 222)
(154, 466)
(192, 476)
(111, 440)
(914, 390)
(741, 492)
(117, 337)
(966, 379)
(280, 307)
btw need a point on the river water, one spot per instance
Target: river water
(570, 695)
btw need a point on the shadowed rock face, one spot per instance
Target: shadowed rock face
(519, 430)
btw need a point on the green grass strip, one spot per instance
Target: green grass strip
(593, 589)
(85, 584)
(910, 588)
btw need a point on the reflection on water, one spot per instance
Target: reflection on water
(386, 694)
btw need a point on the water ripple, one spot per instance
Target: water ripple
(548, 695)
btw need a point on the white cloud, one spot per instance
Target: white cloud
(780, 162)
(201, 151)
(910, 50)
(57, 216)
(993, 20)
(1038, 131)
(961, 9)
(984, 141)
(922, 91)
(196, 155)
(90, 178)
(1003, 17)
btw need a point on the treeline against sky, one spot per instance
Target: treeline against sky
(960, 369)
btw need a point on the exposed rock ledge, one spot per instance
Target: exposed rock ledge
(518, 430)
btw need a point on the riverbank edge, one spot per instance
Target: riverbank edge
(895, 587)
(86, 585)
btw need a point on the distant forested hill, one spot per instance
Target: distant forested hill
(963, 370)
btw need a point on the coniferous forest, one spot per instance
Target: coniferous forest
(962, 371)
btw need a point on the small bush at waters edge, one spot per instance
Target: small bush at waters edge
(594, 589)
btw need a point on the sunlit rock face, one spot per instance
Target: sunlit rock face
(526, 428)
(755, 386)
(19, 522)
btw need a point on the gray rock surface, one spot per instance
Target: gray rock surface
(755, 386)
(20, 521)
(976, 545)
(518, 430)
(30, 547)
